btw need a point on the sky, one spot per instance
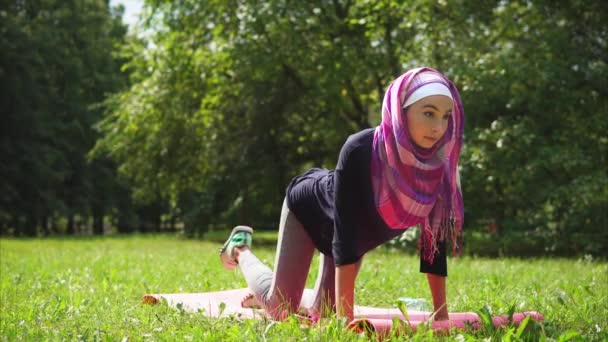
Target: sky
(132, 10)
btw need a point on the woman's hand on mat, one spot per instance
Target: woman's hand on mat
(345, 290)
(442, 316)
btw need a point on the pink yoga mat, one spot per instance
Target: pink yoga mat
(380, 320)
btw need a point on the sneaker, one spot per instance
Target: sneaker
(240, 236)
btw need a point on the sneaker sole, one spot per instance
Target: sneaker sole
(227, 261)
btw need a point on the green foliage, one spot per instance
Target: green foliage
(56, 66)
(206, 112)
(230, 100)
(74, 289)
(536, 98)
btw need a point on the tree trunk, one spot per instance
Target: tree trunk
(71, 229)
(53, 225)
(31, 225)
(124, 224)
(244, 212)
(97, 220)
(157, 221)
(44, 225)
(172, 223)
(98, 224)
(17, 226)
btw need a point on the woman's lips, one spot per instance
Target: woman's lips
(430, 138)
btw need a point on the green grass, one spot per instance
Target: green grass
(90, 289)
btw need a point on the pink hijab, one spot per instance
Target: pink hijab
(414, 185)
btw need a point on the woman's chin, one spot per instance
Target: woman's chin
(425, 144)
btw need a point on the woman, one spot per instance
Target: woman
(400, 174)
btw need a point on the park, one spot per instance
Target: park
(130, 150)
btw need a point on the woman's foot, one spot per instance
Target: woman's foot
(250, 302)
(240, 237)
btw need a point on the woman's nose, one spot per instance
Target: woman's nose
(436, 126)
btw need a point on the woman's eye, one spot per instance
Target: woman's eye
(447, 116)
(428, 114)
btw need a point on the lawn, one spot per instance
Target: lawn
(90, 289)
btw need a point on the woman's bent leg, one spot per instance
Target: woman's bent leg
(324, 295)
(281, 291)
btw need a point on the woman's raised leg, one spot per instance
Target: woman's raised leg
(280, 292)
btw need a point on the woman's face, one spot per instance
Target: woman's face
(427, 119)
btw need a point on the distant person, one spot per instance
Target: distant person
(401, 174)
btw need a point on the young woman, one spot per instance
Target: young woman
(400, 174)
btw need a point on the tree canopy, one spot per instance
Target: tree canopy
(57, 65)
(227, 100)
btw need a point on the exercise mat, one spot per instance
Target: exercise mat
(228, 303)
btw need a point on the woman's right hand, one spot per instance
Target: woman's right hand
(345, 290)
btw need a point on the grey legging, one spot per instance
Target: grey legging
(281, 291)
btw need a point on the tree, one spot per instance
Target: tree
(56, 65)
(231, 99)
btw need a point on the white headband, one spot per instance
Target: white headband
(426, 90)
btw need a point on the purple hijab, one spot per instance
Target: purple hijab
(414, 185)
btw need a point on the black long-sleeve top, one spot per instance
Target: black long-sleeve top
(337, 207)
